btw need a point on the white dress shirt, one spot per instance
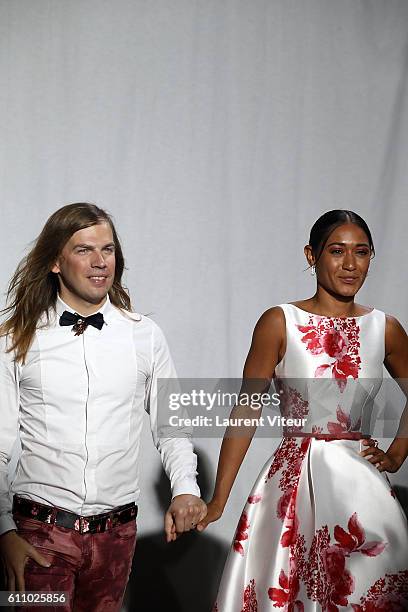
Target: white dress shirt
(78, 404)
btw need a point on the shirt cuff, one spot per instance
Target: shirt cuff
(7, 523)
(186, 486)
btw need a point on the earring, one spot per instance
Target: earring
(313, 270)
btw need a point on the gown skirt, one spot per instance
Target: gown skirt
(321, 531)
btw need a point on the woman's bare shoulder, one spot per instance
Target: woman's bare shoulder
(394, 331)
(272, 321)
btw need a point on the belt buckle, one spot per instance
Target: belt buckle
(81, 524)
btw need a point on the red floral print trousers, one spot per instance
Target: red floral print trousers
(93, 569)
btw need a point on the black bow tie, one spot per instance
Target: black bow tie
(79, 322)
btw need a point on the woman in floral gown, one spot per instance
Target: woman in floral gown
(321, 529)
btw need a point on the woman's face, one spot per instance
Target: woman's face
(344, 262)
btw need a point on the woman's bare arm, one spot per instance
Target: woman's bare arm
(396, 362)
(267, 349)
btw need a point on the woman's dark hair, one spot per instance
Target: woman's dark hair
(328, 222)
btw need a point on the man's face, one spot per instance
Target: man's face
(86, 267)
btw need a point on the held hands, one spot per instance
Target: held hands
(214, 512)
(380, 459)
(184, 513)
(15, 552)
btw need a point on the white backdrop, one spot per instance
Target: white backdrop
(215, 132)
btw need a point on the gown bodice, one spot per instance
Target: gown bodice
(331, 372)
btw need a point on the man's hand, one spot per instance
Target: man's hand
(184, 513)
(15, 551)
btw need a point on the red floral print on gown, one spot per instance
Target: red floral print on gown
(321, 529)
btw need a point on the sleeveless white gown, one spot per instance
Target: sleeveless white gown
(322, 529)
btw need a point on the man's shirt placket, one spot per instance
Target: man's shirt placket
(91, 418)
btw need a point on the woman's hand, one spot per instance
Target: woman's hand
(383, 461)
(214, 512)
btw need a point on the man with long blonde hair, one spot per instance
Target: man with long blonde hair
(77, 369)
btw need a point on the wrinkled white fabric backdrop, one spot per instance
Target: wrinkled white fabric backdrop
(215, 132)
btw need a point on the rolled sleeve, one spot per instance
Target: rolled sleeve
(177, 452)
(9, 414)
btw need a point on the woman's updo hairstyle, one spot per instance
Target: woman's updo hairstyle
(328, 222)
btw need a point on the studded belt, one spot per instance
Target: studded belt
(96, 523)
